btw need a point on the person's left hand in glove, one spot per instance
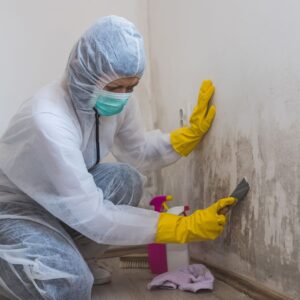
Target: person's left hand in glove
(185, 139)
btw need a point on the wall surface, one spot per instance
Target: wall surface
(37, 36)
(250, 49)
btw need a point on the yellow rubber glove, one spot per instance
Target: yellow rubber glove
(185, 139)
(203, 224)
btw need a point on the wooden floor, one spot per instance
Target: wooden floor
(130, 284)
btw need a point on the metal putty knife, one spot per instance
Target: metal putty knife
(239, 192)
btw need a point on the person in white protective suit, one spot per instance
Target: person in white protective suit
(55, 188)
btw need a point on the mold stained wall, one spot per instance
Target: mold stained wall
(251, 51)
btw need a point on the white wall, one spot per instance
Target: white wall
(37, 36)
(250, 49)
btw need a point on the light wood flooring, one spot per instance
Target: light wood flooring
(131, 284)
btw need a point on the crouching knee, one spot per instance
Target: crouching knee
(120, 183)
(70, 285)
(65, 278)
(133, 185)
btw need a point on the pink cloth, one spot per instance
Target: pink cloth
(190, 278)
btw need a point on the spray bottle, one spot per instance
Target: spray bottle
(167, 257)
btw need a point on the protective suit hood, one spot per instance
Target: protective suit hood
(111, 49)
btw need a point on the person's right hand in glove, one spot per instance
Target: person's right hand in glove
(185, 139)
(202, 225)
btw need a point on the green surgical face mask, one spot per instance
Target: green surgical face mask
(109, 104)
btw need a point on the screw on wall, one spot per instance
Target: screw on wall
(181, 117)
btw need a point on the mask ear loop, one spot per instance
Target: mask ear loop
(97, 116)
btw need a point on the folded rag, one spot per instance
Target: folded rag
(191, 278)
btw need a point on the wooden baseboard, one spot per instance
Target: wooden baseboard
(242, 283)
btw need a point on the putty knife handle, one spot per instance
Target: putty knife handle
(224, 210)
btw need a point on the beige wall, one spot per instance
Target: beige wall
(250, 49)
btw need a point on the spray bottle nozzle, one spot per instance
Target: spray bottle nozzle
(159, 202)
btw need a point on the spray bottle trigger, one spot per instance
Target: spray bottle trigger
(165, 206)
